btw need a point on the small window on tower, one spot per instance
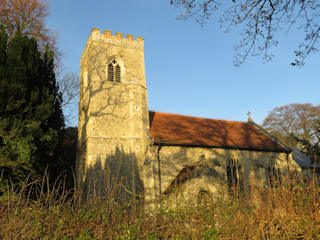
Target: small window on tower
(114, 71)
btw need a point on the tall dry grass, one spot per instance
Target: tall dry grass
(40, 210)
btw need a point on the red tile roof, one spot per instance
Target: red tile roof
(184, 130)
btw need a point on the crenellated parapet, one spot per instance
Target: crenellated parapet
(116, 38)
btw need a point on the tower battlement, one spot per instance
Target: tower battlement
(107, 34)
(109, 38)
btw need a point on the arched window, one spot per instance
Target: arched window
(234, 176)
(273, 174)
(114, 71)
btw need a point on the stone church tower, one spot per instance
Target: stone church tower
(113, 112)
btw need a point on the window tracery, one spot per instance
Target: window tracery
(234, 176)
(114, 71)
(273, 174)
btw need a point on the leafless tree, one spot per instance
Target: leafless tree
(294, 121)
(29, 17)
(260, 20)
(69, 86)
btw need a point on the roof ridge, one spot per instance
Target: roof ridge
(184, 115)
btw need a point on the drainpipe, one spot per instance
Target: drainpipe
(159, 170)
(287, 158)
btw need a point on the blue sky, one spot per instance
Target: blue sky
(189, 68)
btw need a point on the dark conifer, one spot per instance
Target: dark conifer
(31, 119)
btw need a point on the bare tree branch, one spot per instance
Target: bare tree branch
(260, 20)
(69, 86)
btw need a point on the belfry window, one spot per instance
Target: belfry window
(114, 71)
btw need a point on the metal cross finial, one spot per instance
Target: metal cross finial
(249, 116)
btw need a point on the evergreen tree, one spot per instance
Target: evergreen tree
(31, 119)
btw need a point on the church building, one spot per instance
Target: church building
(154, 154)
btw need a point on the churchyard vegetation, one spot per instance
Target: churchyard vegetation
(28, 17)
(289, 210)
(33, 137)
(31, 119)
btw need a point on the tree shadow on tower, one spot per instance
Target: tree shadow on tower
(115, 177)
